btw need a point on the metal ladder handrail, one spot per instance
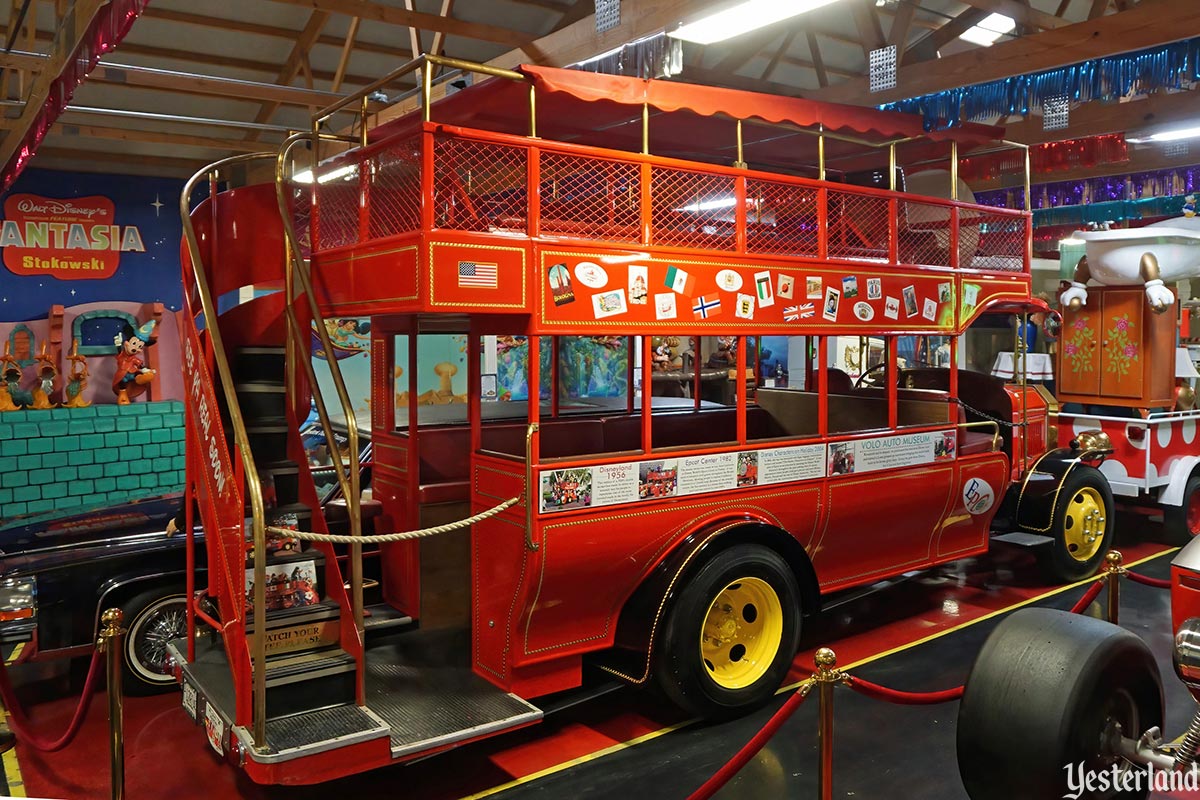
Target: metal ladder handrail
(348, 479)
(253, 484)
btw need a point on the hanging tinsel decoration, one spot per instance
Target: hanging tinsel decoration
(1166, 67)
(1050, 157)
(1162, 185)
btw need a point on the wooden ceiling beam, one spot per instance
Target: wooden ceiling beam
(339, 74)
(901, 23)
(294, 64)
(1154, 113)
(155, 137)
(190, 83)
(870, 33)
(1098, 9)
(258, 29)
(1153, 22)
(814, 50)
(780, 52)
(71, 30)
(439, 37)
(580, 9)
(1023, 13)
(187, 165)
(378, 12)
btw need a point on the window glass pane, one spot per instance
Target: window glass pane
(593, 373)
(441, 370)
(694, 383)
(785, 403)
(858, 376)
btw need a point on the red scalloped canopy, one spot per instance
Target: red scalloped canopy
(687, 120)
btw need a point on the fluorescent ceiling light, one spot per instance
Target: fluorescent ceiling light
(989, 30)
(1174, 136)
(743, 18)
(306, 176)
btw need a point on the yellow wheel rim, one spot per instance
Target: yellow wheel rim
(1084, 524)
(742, 633)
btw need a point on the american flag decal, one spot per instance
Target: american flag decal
(477, 275)
(793, 313)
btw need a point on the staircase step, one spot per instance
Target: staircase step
(284, 478)
(382, 617)
(299, 630)
(261, 399)
(260, 363)
(303, 681)
(268, 441)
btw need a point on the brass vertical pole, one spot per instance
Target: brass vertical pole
(1028, 179)
(826, 677)
(892, 166)
(111, 644)
(363, 122)
(821, 154)
(1113, 568)
(427, 90)
(953, 170)
(645, 129)
(741, 160)
(532, 112)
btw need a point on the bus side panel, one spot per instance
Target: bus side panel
(400, 560)
(982, 481)
(500, 566)
(589, 564)
(881, 523)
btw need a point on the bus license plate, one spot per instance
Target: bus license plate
(215, 728)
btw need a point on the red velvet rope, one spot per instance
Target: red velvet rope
(20, 723)
(877, 692)
(749, 750)
(1157, 583)
(1088, 596)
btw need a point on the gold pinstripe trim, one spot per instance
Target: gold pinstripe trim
(470, 304)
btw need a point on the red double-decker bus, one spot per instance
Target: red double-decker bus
(572, 282)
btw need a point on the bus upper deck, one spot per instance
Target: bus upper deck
(468, 208)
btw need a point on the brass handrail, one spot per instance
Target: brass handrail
(995, 426)
(348, 479)
(254, 486)
(530, 495)
(425, 85)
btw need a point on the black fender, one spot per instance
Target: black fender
(640, 617)
(1037, 492)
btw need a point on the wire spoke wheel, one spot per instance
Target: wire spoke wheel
(155, 622)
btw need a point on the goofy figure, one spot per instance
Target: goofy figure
(132, 377)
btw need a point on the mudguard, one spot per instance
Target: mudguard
(1181, 470)
(644, 611)
(1038, 493)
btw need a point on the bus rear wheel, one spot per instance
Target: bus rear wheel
(1082, 527)
(730, 634)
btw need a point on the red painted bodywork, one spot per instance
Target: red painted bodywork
(392, 248)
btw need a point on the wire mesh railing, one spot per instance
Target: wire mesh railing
(480, 185)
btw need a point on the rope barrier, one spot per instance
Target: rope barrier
(877, 692)
(1146, 580)
(751, 748)
(1091, 594)
(400, 536)
(20, 722)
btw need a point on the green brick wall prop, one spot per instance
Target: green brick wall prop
(63, 461)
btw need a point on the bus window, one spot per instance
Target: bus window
(786, 403)
(440, 394)
(593, 373)
(858, 374)
(695, 389)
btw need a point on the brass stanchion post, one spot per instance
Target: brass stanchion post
(1113, 569)
(110, 643)
(826, 678)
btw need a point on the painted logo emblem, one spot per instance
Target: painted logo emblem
(978, 496)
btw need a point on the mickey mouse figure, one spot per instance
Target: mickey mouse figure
(132, 377)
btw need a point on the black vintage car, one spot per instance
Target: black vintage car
(57, 577)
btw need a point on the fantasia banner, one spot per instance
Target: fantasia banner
(66, 239)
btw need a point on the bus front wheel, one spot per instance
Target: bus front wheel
(1082, 527)
(731, 633)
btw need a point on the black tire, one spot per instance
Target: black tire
(1177, 530)
(1061, 561)
(1042, 691)
(681, 669)
(151, 619)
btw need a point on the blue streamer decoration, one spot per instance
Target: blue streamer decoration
(1165, 67)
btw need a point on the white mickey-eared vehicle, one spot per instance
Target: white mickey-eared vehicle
(1065, 705)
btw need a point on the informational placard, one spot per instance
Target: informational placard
(654, 479)
(891, 452)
